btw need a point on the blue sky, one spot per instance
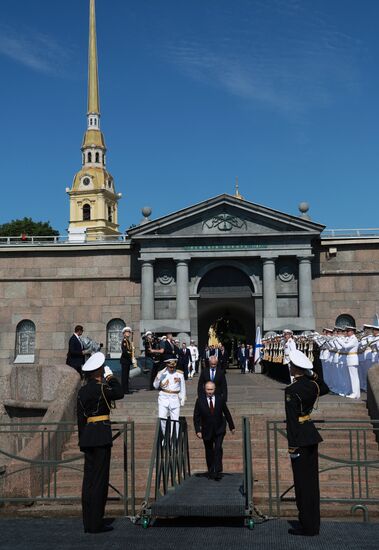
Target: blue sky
(281, 93)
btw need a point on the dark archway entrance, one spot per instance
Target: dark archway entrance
(226, 298)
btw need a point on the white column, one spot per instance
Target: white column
(270, 307)
(305, 287)
(147, 290)
(182, 290)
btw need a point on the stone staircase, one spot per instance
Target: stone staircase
(260, 399)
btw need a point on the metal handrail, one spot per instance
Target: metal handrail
(169, 457)
(357, 462)
(247, 464)
(42, 240)
(45, 467)
(341, 233)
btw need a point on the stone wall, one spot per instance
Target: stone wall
(57, 289)
(346, 282)
(55, 389)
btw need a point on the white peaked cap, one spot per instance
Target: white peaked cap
(375, 323)
(96, 361)
(300, 360)
(126, 329)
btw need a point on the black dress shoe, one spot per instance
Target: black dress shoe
(301, 533)
(103, 529)
(218, 477)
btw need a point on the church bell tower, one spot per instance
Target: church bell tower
(93, 198)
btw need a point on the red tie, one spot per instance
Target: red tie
(211, 407)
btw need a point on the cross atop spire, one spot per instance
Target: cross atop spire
(237, 193)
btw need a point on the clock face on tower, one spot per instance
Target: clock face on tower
(86, 181)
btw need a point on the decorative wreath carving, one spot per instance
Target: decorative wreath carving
(286, 274)
(225, 222)
(165, 278)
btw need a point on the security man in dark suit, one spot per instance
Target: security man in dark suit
(301, 398)
(95, 438)
(215, 374)
(209, 417)
(184, 359)
(76, 354)
(171, 350)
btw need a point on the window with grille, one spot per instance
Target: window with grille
(114, 337)
(345, 320)
(25, 342)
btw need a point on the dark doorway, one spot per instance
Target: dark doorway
(226, 303)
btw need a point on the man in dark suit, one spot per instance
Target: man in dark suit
(242, 358)
(209, 417)
(76, 354)
(215, 374)
(184, 359)
(223, 358)
(169, 347)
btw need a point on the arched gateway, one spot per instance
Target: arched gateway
(225, 257)
(226, 298)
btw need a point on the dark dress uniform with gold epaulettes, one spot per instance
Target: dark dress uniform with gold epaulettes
(303, 439)
(95, 440)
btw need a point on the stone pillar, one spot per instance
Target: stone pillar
(305, 287)
(182, 290)
(147, 290)
(270, 307)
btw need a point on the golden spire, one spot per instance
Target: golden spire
(93, 76)
(237, 193)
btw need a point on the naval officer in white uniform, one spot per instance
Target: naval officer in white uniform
(172, 394)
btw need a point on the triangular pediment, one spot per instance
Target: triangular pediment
(225, 215)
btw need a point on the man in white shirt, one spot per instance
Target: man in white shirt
(194, 358)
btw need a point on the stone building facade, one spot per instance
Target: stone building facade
(222, 257)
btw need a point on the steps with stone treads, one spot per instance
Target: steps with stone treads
(254, 396)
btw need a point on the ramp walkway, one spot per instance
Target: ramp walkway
(199, 496)
(179, 494)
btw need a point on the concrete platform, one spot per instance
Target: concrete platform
(61, 534)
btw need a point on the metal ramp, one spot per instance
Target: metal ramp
(179, 494)
(197, 496)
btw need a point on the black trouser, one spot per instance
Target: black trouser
(307, 491)
(213, 453)
(153, 373)
(125, 369)
(95, 486)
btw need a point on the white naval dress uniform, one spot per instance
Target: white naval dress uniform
(349, 353)
(365, 359)
(194, 357)
(289, 346)
(322, 342)
(374, 352)
(343, 378)
(172, 394)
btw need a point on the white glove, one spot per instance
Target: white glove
(182, 400)
(107, 372)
